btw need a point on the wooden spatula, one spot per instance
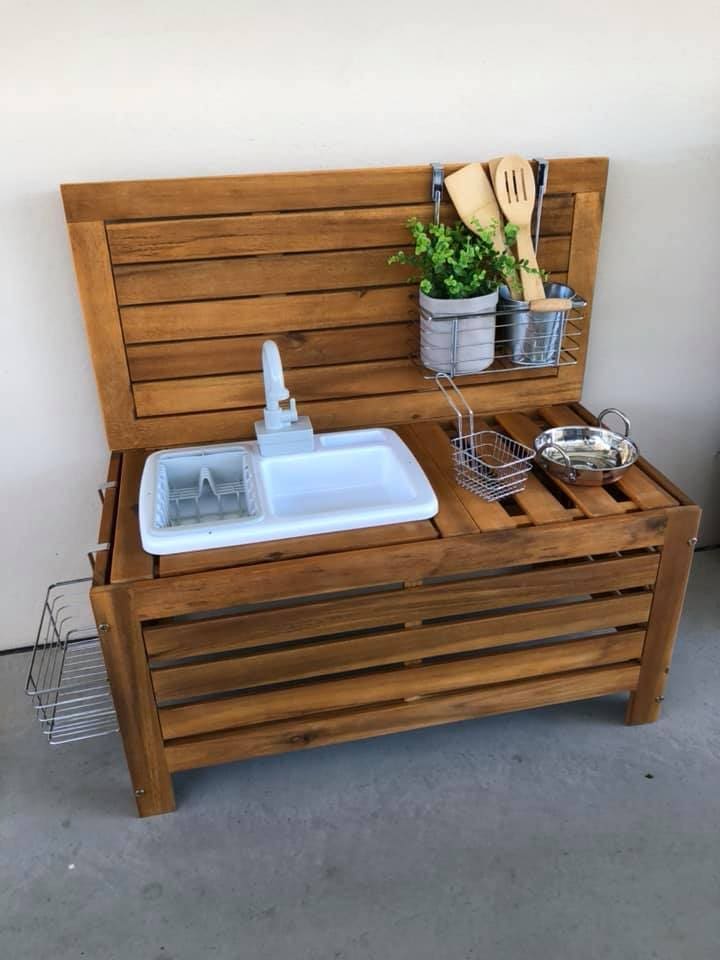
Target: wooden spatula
(472, 194)
(515, 192)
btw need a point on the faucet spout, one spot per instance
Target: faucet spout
(275, 389)
(281, 430)
(276, 418)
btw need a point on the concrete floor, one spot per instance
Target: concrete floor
(558, 833)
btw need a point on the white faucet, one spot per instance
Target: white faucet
(275, 390)
(281, 431)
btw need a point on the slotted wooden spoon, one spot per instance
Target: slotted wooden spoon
(515, 192)
(472, 195)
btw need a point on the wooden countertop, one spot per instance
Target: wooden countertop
(544, 501)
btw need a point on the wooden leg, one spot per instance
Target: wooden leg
(677, 551)
(131, 686)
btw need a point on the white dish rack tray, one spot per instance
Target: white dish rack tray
(67, 679)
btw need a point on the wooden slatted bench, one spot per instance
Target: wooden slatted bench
(558, 593)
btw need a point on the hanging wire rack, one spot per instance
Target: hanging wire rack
(507, 338)
(67, 679)
(510, 337)
(485, 462)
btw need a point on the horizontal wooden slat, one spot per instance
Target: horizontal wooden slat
(511, 390)
(197, 637)
(253, 276)
(553, 254)
(197, 238)
(288, 735)
(156, 397)
(363, 569)
(640, 488)
(193, 358)
(248, 193)
(210, 715)
(557, 214)
(288, 273)
(252, 235)
(312, 190)
(355, 653)
(194, 561)
(366, 722)
(275, 315)
(379, 378)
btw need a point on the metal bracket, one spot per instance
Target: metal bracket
(106, 485)
(436, 190)
(98, 548)
(540, 187)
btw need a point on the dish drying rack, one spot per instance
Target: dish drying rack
(195, 488)
(67, 678)
(485, 462)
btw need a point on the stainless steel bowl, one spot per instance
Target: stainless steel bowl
(587, 456)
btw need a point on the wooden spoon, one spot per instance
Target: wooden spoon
(542, 303)
(515, 191)
(472, 194)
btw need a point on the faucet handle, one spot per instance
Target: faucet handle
(293, 410)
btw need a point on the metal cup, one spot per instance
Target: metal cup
(535, 337)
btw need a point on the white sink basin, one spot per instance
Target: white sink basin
(198, 498)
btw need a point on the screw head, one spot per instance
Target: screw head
(139, 792)
(659, 699)
(103, 627)
(692, 541)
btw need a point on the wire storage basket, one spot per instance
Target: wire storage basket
(509, 337)
(486, 462)
(67, 679)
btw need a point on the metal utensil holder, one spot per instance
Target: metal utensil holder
(485, 462)
(67, 678)
(522, 338)
(460, 346)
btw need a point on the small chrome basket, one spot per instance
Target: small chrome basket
(67, 679)
(486, 462)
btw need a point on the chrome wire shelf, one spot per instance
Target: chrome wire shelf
(502, 340)
(67, 679)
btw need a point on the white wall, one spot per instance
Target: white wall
(90, 91)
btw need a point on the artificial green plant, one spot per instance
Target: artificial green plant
(453, 263)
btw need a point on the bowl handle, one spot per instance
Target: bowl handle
(571, 471)
(618, 413)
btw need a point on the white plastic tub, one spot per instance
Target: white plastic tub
(198, 498)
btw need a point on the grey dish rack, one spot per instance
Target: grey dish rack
(67, 679)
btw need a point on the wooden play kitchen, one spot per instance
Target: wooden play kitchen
(560, 592)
